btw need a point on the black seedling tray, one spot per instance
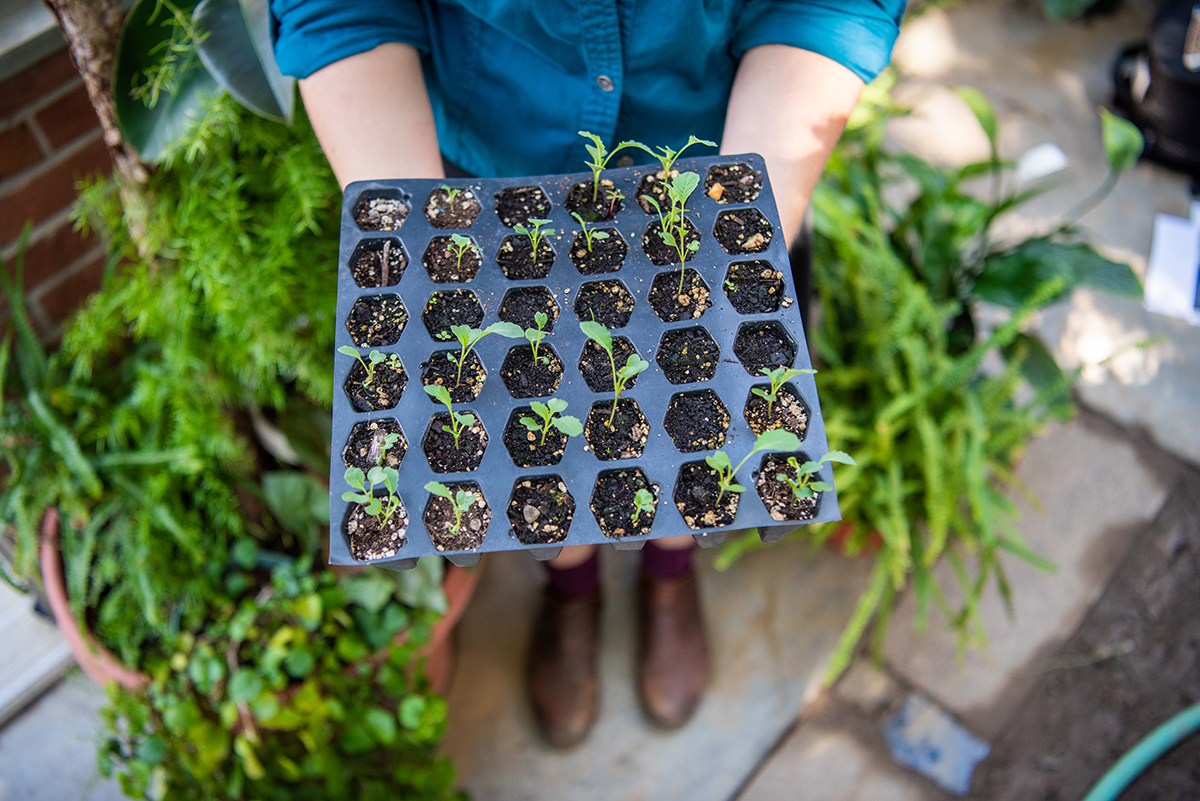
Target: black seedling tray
(579, 467)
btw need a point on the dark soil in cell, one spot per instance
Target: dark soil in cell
(660, 252)
(777, 496)
(613, 505)
(380, 213)
(606, 256)
(697, 421)
(541, 510)
(369, 538)
(440, 521)
(625, 439)
(443, 264)
(699, 499)
(518, 205)
(451, 307)
(606, 302)
(526, 379)
(461, 212)
(526, 447)
(754, 287)
(670, 304)
(515, 258)
(688, 354)
(376, 320)
(440, 450)
(652, 186)
(603, 207)
(733, 183)
(743, 231)
(596, 368)
(384, 389)
(364, 447)
(764, 345)
(367, 263)
(788, 412)
(520, 306)
(464, 386)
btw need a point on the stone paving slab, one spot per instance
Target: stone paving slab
(1099, 488)
(35, 654)
(774, 619)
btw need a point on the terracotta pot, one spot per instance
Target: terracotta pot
(840, 539)
(459, 585)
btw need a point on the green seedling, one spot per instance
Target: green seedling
(451, 194)
(633, 365)
(469, 337)
(776, 439)
(386, 445)
(460, 502)
(643, 501)
(374, 358)
(536, 234)
(779, 376)
(536, 335)
(672, 230)
(589, 234)
(457, 421)
(460, 246)
(547, 411)
(381, 507)
(667, 157)
(802, 483)
(601, 156)
(612, 196)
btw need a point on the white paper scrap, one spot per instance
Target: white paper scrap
(1173, 275)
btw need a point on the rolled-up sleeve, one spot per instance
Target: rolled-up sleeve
(311, 34)
(858, 34)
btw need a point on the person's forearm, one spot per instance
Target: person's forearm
(372, 116)
(789, 105)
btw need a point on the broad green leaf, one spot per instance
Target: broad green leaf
(841, 457)
(410, 711)
(291, 496)
(777, 439)
(371, 590)
(568, 425)
(438, 393)
(510, 330)
(554, 405)
(421, 587)
(1011, 278)
(439, 489)
(229, 53)
(1038, 365)
(244, 686)
(593, 330)
(381, 725)
(1123, 142)
(983, 111)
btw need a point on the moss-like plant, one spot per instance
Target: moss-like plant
(633, 365)
(550, 414)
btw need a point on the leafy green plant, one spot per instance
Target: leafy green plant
(601, 155)
(536, 335)
(643, 503)
(776, 439)
(633, 365)
(667, 157)
(673, 222)
(458, 421)
(459, 245)
(373, 360)
(381, 507)
(550, 414)
(589, 233)
(779, 376)
(536, 234)
(469, 337)
(801, 479)
(460, 502)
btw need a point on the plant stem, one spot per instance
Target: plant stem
(1091, 201)
(387, 250)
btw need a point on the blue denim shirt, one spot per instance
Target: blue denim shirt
(513, 81)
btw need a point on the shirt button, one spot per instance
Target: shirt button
(605, 83)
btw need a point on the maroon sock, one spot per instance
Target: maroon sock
(578, 581)
(664, 564)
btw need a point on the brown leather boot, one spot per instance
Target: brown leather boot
(672, 666)
(564, 685)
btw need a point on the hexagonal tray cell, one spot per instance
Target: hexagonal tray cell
(376, 321)
(380, 211)
(448, 307)
(754, 287)
(450, 207)
(743, 231)
(525, 378)
(651, 185)
(371, 537)
(447, 456)
(779, 496)
(464, 384)
(521, 305)
(451, 261)
(679, 295)
(529, 448)
(625, 438)
(592, 203)
(686, 355)
(662, 254)
(787, 411)
(461, 532)
(368, 260)
(381, 389)
(367, 445)
(596, 369)
(764, 345)
(517, 205)
(515, 258)
(540, 510)
(697, 421)
(733, 183)
(614, 507)
(700, 500)
(606, 302)
(606, 255)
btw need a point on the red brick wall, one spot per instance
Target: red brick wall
(49, 139)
